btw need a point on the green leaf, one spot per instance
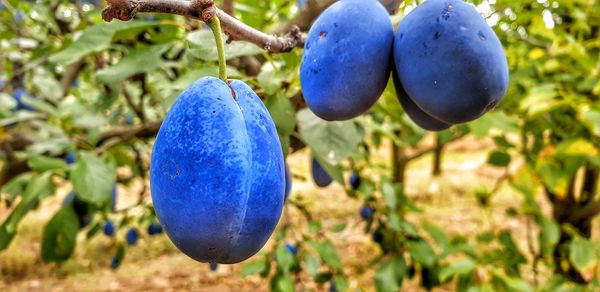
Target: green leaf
(135, 62)
(283, 113)
(500, 159)
(312, 265)
(458, 268)
(202, 46)
(576, 148)
(328, 254)
(282, 282)
(284, 258)
(390, 275)
(422, 253)
(437, 233)
(60, 235)
(93, 179)
(389, 195)
(40, 186)
(582, 254)
(44, 163)
(549, 235)
(95, 39)
(338, 227)
(255, 267)
(333, 141)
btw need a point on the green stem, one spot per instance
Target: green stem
(215, 26)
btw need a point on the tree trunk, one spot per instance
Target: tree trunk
(578, 214)
(399, 161)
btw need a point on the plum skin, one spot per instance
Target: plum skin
(416, 114)
(288, 182)
(217, 172)
(320, 176)
(450, 62)
(346, 61)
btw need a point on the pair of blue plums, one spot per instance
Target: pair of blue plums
(448, 65)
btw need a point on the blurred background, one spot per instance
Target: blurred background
(508, 202)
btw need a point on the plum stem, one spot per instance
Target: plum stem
(215, 26)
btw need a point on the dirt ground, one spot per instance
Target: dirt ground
(155, 265)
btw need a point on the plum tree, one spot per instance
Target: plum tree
(288, 182)
(346, 61)
(319, 174)
(450, 62)
(417, 115)
(217, 172)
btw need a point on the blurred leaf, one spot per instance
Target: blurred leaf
(328, 253)
(582, 255)
(284, 258)
(283, 113)
(93, 179)
(40, 186)
(202, 46)
(254, 267)
(282, 282)
(390, 275)
(422, 253)
(333, 141)
(60, 235)
(437, 233)
(549, 235)
(500, 159)
(95, 39)
(43, 163)
(458, 268)
(312, 265)
(135, 62)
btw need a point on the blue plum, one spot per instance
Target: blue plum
(288, 182)
(292, 248)
(217, 172)
(109, 228)
(355, 180)
(213, 266)
(71, 157)
(320, 176)
(154, 228)
(132, 236)
(450, 62)
(346, 61)
(115, 263)
(81, 208)
(417, 115)
(18, 96)
(366, 212)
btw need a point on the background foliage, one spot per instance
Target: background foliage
(100, 90)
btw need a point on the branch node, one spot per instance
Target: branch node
(206, 9)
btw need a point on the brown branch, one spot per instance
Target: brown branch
(431, 148)
(589, 211)
(204, 10)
